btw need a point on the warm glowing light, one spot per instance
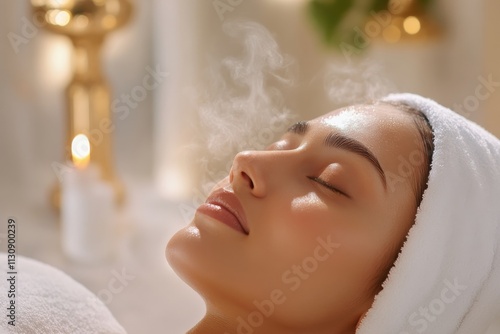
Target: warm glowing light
(48, 3)
(58, 17)
(81, 21)
(62, 18)
(392, 34)
(80, 151)
(412, 25)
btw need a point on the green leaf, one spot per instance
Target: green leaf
(378, 5)
(328, 15)
(425, 3)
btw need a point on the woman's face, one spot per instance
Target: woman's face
(297, 234)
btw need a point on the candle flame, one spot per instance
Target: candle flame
(80, 151)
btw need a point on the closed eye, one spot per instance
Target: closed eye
(327, 185)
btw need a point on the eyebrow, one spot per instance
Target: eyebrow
(345, 143)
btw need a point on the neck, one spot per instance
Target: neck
(212, 324)
(223, 324)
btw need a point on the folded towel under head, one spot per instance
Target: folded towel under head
(447, 277)
(49, 301)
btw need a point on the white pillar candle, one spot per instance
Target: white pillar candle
(87, 211)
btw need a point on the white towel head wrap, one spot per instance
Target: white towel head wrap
(447, 276)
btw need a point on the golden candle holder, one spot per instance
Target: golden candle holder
(86, 23)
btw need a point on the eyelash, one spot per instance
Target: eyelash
(327, 185)
(315, 178)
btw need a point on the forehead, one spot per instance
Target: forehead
(379, 127)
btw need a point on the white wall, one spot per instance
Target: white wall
(16, 96)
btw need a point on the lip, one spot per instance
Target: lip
(224, 206)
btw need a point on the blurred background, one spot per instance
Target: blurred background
(329, 55)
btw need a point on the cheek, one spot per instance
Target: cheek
(309, 214)
(297, 230)
(295, 234)
(312, 218)
(288, 233)
(339, 250)
(336, 271)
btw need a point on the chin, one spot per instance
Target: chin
(178, 255)
(206, 267)
(190, 260)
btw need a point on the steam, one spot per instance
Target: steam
(245, 108)
(351, 83)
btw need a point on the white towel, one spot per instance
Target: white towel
(447, 276)
(49, 301)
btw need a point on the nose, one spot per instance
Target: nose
(248, 173)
